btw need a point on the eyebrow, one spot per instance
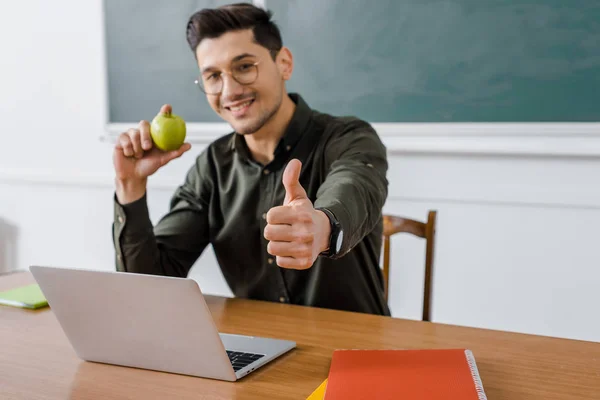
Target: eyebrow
(236, 58)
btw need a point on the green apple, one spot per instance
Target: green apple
(167, 131)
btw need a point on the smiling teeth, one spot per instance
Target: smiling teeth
(237, 108)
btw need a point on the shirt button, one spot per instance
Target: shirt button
(266, 172)
(119, 257)
(288, 147)
(264, 216)
(120, 219)
(270, 261)
(282, 299)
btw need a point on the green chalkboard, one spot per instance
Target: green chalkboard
(384, 60)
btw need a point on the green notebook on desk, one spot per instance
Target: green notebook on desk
(29, 296)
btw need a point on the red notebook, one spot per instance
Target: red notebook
(430, 374)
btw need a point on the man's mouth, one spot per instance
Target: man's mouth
(241, 106)
(239, 109)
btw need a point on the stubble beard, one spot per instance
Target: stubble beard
(263, 119)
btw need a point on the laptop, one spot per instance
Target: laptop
(150, 322)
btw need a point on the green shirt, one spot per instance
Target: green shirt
(226, 195)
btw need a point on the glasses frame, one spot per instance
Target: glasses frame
(198, 81)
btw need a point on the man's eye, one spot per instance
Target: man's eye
(245, 67)
(212, 77)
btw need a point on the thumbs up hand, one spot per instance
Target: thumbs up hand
(297, 233)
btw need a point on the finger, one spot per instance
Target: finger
(134, 137)
(279, 233)
(278, 215)
(291, 182)
(293, 263)
(289, 249)
(287, 215)
(287, 233)
(117, 152)
(281, 215)
(173, 154)
(166, 109)
(146, 138)
(125, 143)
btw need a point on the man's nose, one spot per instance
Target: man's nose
(231, 88)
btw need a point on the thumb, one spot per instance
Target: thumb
(166, 109)
(291, 182)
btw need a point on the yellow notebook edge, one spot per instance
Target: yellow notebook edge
(319, 393)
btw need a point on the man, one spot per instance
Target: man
(291, 201)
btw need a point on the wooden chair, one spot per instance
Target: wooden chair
(394, 224)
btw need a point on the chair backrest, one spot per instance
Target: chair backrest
(426, 230)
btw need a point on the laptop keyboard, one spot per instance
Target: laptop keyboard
(239, 360)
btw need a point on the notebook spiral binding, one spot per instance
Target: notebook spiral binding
(475, 375)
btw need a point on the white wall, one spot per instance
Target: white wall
(518, 206)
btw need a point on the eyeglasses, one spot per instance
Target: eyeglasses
(243, 72)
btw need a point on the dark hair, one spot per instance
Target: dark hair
(213, 22)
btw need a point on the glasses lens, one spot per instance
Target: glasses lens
(244, 72)
(210, 84)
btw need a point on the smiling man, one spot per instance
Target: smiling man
(291, 201)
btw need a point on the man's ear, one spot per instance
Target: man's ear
(285, 63)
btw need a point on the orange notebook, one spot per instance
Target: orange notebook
(429, 374)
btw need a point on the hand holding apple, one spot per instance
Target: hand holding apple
(136, 156)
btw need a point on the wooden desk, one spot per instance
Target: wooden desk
(37, 362)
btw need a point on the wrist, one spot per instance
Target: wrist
(335, 235)
(324, 227)
(130, 190)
